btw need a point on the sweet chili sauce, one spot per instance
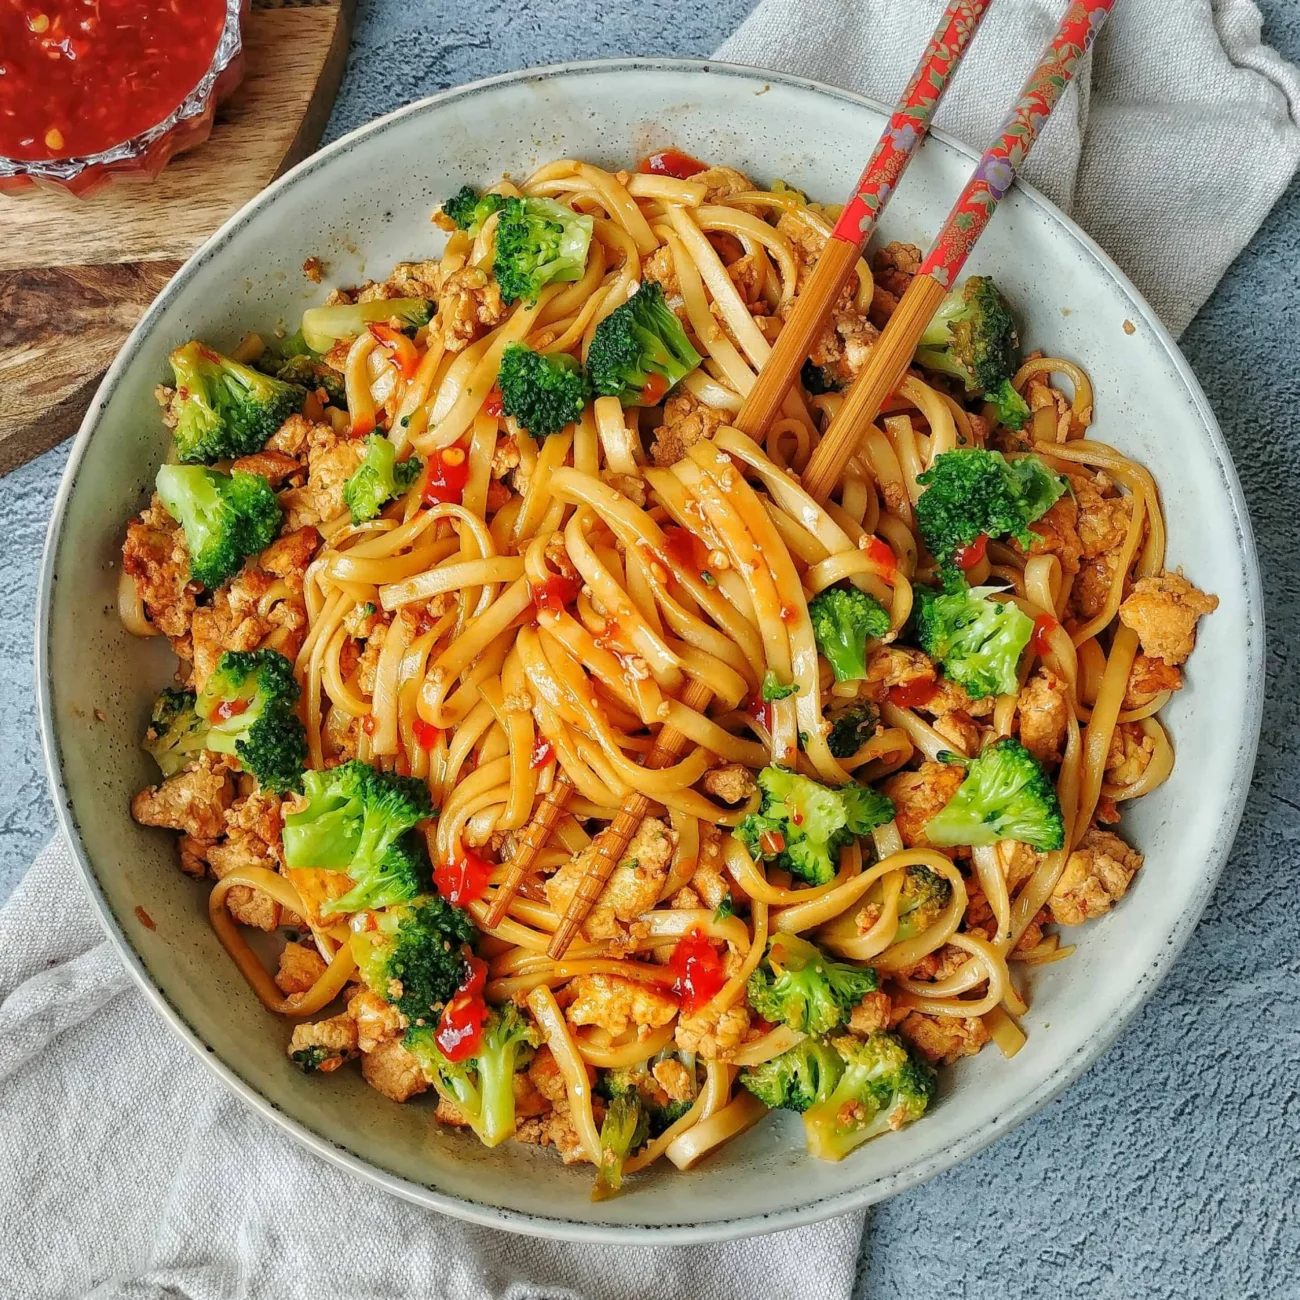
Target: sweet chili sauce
(460, 1027)
(698, 968)
(671, 162)
(464, 879)
(80, 76)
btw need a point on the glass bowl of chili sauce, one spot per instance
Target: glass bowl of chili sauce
(91, 90)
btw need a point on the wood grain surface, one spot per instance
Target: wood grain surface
(76, 274)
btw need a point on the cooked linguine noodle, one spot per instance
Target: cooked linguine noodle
(532, 607)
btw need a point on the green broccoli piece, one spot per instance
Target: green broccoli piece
(921, 902)
(972, 337)
(415, 955)
(354, 820)
(248, 702)
(311, 372)
(851, 728)
(403, 872)
(538, 241)
(640, 342)
(883, 1087)
(469, 210)
(800, 1077)
(378, 479)
(624, 1129)
(226, 517)
(773, 688)
(972, 493)
(543, 392)
(660, 1110)
(844, 619)
(225, 409)
(176, 733)
(802, 825)
(978, 640)
(322, 327)
(480, 1088)
(1006, 796)
(310, 1059)
(797, 984)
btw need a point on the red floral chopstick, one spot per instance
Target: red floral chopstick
(910, 120)
(997, 168)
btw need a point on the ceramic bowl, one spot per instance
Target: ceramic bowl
(364, 203)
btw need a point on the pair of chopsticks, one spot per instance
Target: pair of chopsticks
(886, 365)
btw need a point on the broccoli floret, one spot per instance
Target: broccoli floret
(625, 1129)
(639, 351)
(378, 479)
(972, 337)
(538, 241)
(311, 372)
(415, 956)
(972, 493)
(480, 1088)
(226, 517)
(544, 392)
(322, 327)
(248, 702)
(225, 409)
(403, 872)
(851, 728)
(353, 821)
(977, 639)
(310, 1059)
(797, 984)
(921, 901)
(844, 619)
(773, 688)
(468, 210)
(802, 824)
(800, 1077)
(660, 1110)
(176, 732)
(883, 1087)
(1006, 796)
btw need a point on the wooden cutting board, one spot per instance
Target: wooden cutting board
(77, 274)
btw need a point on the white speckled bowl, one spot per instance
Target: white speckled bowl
(364, 203)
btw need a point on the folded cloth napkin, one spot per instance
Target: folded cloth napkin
(1169, 150)
(127, 1170)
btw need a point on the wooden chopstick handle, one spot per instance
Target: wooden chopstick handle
(892, 352)
(613, 840)
(530, 844)
(896, 148)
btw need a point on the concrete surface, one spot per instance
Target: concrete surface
(1168, 1170)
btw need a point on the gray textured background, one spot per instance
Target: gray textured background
(1170, 1169)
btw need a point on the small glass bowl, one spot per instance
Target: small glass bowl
(145, 155)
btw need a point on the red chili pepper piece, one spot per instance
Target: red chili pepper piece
(556, 592)
(543, 752)
(401, 351)
(882, 556)
(228, 709)
(494, 403)
(463, 880)
(1041, 641)
(426, 734)
(671, 162)
(460, 1029)
(967, 557)
(447, 475)
(698, 969)
(915, 694)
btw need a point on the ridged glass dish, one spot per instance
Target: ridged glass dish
(145, 154)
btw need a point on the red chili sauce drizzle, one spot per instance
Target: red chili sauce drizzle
(80, 76)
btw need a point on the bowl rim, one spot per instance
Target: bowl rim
(643, 1234)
